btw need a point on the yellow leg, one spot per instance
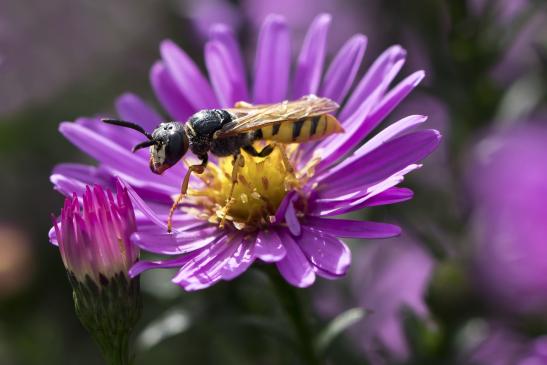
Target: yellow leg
(198, 169)
(239, 162)
(285, 158)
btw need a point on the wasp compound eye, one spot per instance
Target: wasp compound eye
(170, 144)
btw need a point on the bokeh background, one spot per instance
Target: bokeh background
(465, 284)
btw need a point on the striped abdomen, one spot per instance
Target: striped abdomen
(300, 130)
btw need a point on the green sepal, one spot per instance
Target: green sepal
(109, 310)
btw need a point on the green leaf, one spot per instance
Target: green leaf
(338, 325)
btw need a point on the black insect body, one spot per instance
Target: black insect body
(226, 132)
(201, 128)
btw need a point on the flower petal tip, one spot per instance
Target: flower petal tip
(323, 19)
(275, 20)
(359, 39)
(167, 45)
(418, 77)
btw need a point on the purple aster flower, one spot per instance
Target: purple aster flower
(388, 278)
(509, 186)
(94, 242)
(505, 347)
(279, 215)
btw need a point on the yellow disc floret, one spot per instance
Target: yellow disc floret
(262, 183)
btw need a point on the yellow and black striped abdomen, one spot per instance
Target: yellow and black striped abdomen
(301, 130)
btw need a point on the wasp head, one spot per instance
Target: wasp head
(168, 143)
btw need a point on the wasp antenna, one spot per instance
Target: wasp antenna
(123, 123)
(143, 145)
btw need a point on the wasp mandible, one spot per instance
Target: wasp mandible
(224, 132)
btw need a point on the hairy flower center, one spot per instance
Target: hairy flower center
(262, 184)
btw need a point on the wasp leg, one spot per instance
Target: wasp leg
(238, 163)
(263, 153)
(286, 160)
(198, 169)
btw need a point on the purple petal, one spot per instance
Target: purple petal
(295, 267)
(390, 196)
(67, 186)
(353, 195)
(229, 86)
(325, 251)
(113, 132)
(384, 161)
(90, 175)
(283, 206)
(325, 274)
(52, 235)
(131, 107)
(225, 35)
(394, 97)
(337, 207)
(272, 64)
(312, 56)
(240, 261)
(187, 76)
(143, 265)
(72, 178)
(352, 229)
(176, 242)
(132, 167)
(387, 134)
(375, 75)
(167, 92)
(205, 269)
(182, 222)
(292, 220)
(379, 139)
(142, 207)
(268, 246)
(224, 63)
(343, 69)
(358, 125)
(339, 145)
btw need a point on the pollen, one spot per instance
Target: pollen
(262, 183)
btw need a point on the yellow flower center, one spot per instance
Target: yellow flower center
(262, 183)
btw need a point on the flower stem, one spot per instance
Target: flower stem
(291, 303)
(115, 350)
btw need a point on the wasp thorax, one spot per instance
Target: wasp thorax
(262, 185)
(171, 144)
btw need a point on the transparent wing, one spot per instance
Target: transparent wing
(253, 117)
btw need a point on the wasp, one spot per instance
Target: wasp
(225, 132)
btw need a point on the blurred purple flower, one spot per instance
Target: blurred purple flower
(504, 347)
(389, 277)
(278, 216)
(351, 17)
(504, 10)
(95, 242)
(509, 186)
(39, 65)
(521, 22)
(203, 14)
